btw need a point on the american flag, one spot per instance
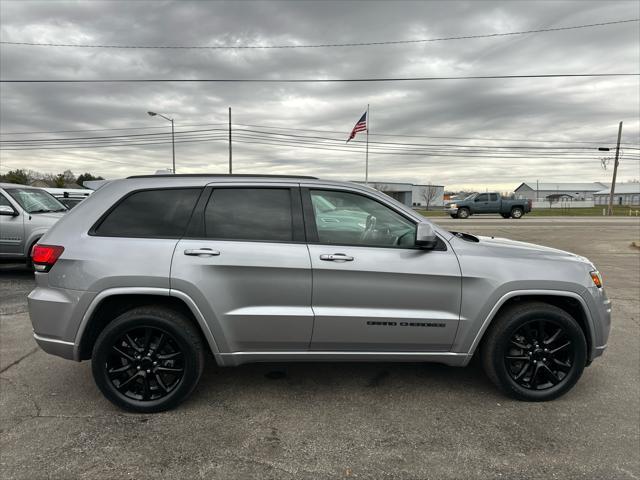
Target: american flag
(361, 126)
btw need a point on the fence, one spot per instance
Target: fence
(563, 204)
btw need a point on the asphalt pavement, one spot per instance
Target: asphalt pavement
(338, 420)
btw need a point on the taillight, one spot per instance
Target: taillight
(45, 256)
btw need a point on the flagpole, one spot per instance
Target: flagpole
(366, 167)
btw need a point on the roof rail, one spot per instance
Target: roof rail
(222, 175)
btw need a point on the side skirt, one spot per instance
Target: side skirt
(239, 358)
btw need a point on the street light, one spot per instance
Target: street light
(173, 142)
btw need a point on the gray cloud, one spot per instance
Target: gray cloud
(553, 109)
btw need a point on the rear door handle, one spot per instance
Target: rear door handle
(336, 257)
(201, 252)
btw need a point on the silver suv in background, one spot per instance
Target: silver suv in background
(26, 213)
(150, 272)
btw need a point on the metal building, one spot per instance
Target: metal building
(625, 194)
(555, 192)
(412, 195)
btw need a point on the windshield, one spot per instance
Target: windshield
(34, 200)
(471, 196)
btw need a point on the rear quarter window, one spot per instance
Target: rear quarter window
(160, 213)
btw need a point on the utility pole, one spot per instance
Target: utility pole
(173, 148)
(366, 165)
(615, 171)
(230, 152)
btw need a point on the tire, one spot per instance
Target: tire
(454, 215)
(505, 215)
(29, 260)
(502, 344)
(165, 364)
(517, 213)
(464, 213)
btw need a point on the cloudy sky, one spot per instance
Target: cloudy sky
(455, 133)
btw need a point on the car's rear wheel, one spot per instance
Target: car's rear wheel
(149, 359)
(463, 213)
(534, 352)
(516, 212)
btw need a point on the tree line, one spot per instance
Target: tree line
(60, 180)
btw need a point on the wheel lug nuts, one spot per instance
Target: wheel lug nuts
(138, 367)
(148, 371)
(155, 363)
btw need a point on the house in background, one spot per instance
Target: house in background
(625, 194)
(556, 192)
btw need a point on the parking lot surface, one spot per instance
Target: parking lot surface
(335, 420)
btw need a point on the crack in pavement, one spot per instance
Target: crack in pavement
(16, 362)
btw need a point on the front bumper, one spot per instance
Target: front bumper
(600, 308)
(452, 211)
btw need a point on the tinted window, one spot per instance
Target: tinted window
(249, 214)
(483, 197)
(352, 219)
(493, 197)
(4, 202)
(151, 213)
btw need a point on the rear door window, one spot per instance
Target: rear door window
(161, 213)
(493, 197)
(258, 214)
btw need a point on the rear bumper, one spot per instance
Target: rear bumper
(55, 316)
(60, 348)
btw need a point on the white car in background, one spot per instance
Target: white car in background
(69, 197)
(26, 213)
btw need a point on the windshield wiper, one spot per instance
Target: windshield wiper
(42, 210)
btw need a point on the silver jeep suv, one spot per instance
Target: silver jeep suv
(150, 272)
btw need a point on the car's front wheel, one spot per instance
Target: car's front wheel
(534, 351)
(463, 213)
(149, 359)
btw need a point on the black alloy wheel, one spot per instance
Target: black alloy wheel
(145, 363)
(540, 355)
(148, 359)
(534, 351)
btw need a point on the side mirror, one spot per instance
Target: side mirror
(7, 210)
(426, 236)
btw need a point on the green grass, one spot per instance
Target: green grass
(618, 210)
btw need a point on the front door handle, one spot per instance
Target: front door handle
(201, 252)
(336, 257)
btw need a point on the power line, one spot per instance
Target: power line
(90, 140)
(374, 134)
(272, 127)
(320, 80)
(322, 45)
(106, 129)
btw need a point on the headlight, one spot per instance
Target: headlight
(453, 205)
(597, 278)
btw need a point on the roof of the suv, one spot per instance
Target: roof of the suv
(249, 175)
(18, 185)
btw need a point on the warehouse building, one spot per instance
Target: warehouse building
(419, 196)
(625, 194)
(556, 192)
